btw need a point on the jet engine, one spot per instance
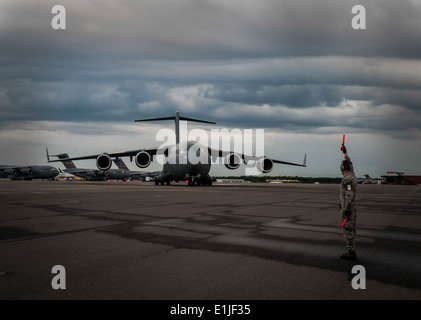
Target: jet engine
(143, 159)
(10, 172)
(103, 162)
(264, 165)
(232, 161)
(26, 171)
(92, 174)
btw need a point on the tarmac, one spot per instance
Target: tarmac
(135, 240)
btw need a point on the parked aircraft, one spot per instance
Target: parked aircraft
(368, 180)
(28, 172)
(89, 174)
(195, 173)
(137, 175)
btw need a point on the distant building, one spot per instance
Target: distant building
(230, 181)
(283, 181)
(401, 178)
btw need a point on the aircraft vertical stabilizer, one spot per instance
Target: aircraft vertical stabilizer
(176, 119)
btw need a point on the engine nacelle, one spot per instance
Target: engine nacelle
(92, 174)
(26, 171)
(103, 162)
(143, 159)
(264, 165)
(232, 161)
(10, 172)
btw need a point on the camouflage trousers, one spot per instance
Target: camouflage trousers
(349, 229)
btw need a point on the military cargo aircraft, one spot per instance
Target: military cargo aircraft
(136, 175)
(183, 169)
(89, 174)
(28, 172)
(368, 180)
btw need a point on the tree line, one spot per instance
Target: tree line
(263, 179)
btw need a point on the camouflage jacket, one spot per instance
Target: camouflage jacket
(348, 190)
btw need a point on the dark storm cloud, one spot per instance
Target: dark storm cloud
(212, 29)
(239, 62)
(142, 89)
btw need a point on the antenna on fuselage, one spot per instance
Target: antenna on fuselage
(176, 119)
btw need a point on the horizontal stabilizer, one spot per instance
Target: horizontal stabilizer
(196, 120)
(174, 118)
(156, 119)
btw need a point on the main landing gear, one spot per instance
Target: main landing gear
(159, 182)
(191, 181)
(199, 181)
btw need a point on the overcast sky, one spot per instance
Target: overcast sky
(294, 68)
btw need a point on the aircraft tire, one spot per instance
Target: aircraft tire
(207, 181)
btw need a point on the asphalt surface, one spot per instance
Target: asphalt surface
(134, 240)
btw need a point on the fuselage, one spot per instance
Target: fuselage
(186, 160)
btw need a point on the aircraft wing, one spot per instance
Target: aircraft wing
(291, 163)
(247, 158)
(130, 153)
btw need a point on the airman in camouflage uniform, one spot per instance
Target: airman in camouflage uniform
(348, 206)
